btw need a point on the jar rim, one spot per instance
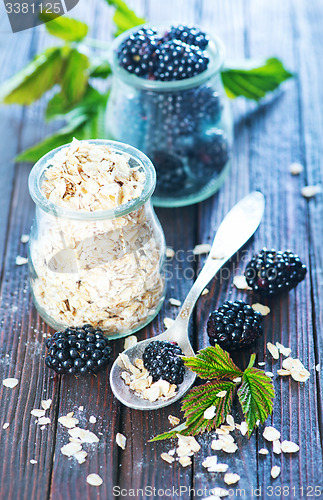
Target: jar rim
(215, 50)
(48, 206)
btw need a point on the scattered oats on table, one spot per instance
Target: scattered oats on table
(271, 434)
(275, 471)
(83, 435)
(130, 342)
(273, 350)
(92, 419)
(231, 478)
(5, 425)
(263, 310)
(263, 451)
(10, 382)
(20, 261)
(121, 440)
(68, 420)
(168, 322)
(311, 191)
(240, 283)
(175, 302)
(170, 253)
(38, 413)
(24, 238)
(201, 249)
(46, 404)
(173, 420)
(43, 421)
(296, 168)
(167, 458)
(94, 480)
(289, 447)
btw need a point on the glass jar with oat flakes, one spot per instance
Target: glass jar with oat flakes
(96, 249)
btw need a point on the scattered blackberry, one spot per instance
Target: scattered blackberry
(169, 170)
(161, 358)
(176, 60)
(188, 34)
(234, 325)
(209, 154)
(135, 53)
(78, 350)
(270, 272)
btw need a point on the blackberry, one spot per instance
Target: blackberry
(209, 154)
(161, 358)
(234, 325)
(191, 35)
(176, 60)
(171, 176)
(78, 350)
(270, 272)
(135, 53)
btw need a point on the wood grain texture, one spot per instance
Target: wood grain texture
(286, 127)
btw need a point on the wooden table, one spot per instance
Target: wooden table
(284, 128)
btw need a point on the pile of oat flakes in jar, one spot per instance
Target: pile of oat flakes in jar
(96, 246)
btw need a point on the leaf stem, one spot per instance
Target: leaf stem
(252, 361)
(99, 44)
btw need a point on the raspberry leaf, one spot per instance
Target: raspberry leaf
(256, 395)
(124, 18)
(67, 28)
(213, 363)
(254, 83)
(200, 399)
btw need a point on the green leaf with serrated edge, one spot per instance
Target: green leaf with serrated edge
(75, 77)
(212, 363)
(100, 68)
(124, 18)
(35, 79)
(74, 129)
(202, 397)
(256, 395)
(58, 107)
(256, 82)
(179, 429)
(67, 28)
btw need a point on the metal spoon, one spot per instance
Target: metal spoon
(235, 230)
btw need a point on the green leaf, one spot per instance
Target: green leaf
(67, 28)
(202, 397)
(75, 128)
(211, 363)
(256, 82)
(256, 395)
(100, 68)
(75, 76)
(57, 107)
(179, 429)
(37, 77)
(124, 18)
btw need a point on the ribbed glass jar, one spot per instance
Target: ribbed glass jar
(185, 126)
(103, 267)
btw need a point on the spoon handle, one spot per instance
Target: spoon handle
(234, 231)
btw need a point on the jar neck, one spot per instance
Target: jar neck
(215, 51)
(140, 159)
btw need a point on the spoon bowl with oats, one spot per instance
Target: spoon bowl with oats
(129, 379)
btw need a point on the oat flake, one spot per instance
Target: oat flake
(5, 425)
(94, 480)
(310, 191)
(24, 238)
(201, 249)
(175, 302)
(263, 451)
(275, 471)
(37, 413)
(168, 458)
(185, 461)
(296, 168)
(43, 421)
(240, 283)
(32, 461)
(130, 342)
(273, 350)
(289, 447)
(10, 382)
(277, 447)
(263, 310)
(221, 394)
(92, 419)
(209, 413)
(121, 440)
(170, 253)
(21, 261)
(46, 404)
(70, 449)
(84, 435)
(271, 434)
(230, 478)
(173, 420)
(68, 421)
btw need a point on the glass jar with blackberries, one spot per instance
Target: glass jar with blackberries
(167, 99)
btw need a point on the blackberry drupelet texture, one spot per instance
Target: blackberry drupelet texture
(188, 34)
(271, 272)
(176, 55)
(176, 60)
(234, 325)
(170, 172)
(80, 350)
(161, 358)
(210, 153)
(135, 53)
